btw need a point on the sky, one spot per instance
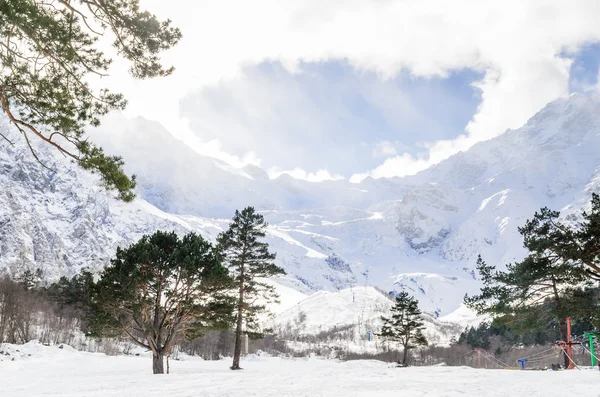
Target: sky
(355, 88)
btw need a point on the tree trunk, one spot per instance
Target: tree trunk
(405, 355)
(157, 363)
(561, 321)
(563, 336)
(237, 350)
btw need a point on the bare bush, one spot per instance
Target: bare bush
(27, 313)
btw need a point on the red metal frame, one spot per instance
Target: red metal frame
(567, 346)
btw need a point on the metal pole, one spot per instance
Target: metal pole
(590, 336)
(569, 346)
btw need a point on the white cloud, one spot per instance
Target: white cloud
(213, 148)
(407, 164)
(516, 43)
(384, 149)
(298, 173)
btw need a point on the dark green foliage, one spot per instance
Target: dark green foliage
(48, 52)
(405, 325)
(577, 245)
(249, 260)
(502, 339)
(551, 283)
(529, 295)
(162, 289)
(74, 291)
(75, 294)
(476, 338)
(589, 239)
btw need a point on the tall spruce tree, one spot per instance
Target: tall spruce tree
(405, 325)
(249, 261)
(159, 290)
(48, 52)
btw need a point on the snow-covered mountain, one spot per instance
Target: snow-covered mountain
(420, 233)
(356, 309)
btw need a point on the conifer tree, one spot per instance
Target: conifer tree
(48, 52)
(588, 236)
(159, 290)
(575, 243)
(75, 293)
(531, 294)
(405, 325)
(249, 261)
(554, 281)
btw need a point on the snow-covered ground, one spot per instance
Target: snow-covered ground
(51, 371)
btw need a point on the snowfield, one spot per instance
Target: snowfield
(51, 371)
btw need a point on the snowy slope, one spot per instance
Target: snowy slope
(420, 233)
(288, 298)
(463, 316)
(361, 308)
(51, 371)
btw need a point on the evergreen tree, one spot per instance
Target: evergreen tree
(159, 290)
(405, 325)
(476, 338)
(249, 261)
(487, 336)
(76, 294)
(48, 52)
(554, 281)
(531, 295)
(575, 244)
(588, 237)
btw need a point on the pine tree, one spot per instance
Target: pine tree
(588, 236)
(48, 52)
(531, 294)
(74, 293)
(159, 290)
(556, 280)
(249, 261)
(576, 244)
(405, 325)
